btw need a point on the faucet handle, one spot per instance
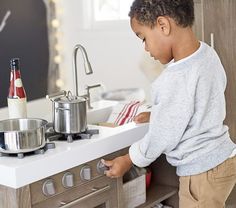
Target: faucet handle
(88, 88)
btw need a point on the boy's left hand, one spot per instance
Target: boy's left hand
(118, 166)
(143, 117)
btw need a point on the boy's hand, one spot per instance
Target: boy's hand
(143, 117)
(117, 167)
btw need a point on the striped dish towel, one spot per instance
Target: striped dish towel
(124, 112)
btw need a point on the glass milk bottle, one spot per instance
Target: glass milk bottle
(16, 97)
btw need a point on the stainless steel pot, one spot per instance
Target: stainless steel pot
(69, 114)
(22, 135)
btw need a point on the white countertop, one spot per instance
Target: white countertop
(15, 172)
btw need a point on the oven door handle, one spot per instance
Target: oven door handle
(94, 193)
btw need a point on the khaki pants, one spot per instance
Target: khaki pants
(209, 189)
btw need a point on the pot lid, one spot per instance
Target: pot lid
(71, 99)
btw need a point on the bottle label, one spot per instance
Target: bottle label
(17, 108)
(16, 89)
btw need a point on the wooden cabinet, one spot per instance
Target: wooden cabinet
(198, 22)
(214, 24)
(164, 185)
(220, 30)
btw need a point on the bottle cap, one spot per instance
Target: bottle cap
(16, 89)
(15, 63)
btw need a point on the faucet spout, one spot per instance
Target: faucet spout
(87, 65)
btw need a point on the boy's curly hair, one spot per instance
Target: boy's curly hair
(147, 11)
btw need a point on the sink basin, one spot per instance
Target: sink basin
(100, 112)
(126, 94)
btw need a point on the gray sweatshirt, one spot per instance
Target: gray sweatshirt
(187, 116)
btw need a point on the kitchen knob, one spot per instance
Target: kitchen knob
(48, 188)
(86, 173)
(101, 168)
(68, 180)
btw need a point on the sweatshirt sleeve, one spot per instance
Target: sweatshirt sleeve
(170, 116)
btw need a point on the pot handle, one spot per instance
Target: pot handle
(56, 95)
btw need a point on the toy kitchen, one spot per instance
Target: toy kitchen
(52, 159)
(58, 164)
(45, 162)
(67, 173)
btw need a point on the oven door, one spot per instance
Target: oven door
(100, 198)
(102, 192)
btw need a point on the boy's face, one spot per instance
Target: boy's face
(157, 39)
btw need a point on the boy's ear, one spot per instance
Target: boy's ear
(163, 24)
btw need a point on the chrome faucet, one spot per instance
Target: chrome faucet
(87, 68)
(87, 65)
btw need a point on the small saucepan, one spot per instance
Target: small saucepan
(22, 135)
(69, 113)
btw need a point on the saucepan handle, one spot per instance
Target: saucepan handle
(56, 95)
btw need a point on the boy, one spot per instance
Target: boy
(186, 120)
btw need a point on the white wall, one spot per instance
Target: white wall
(116, 55)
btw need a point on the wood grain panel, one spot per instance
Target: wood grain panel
(198, 23)
(219, 19)
(15, 198)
